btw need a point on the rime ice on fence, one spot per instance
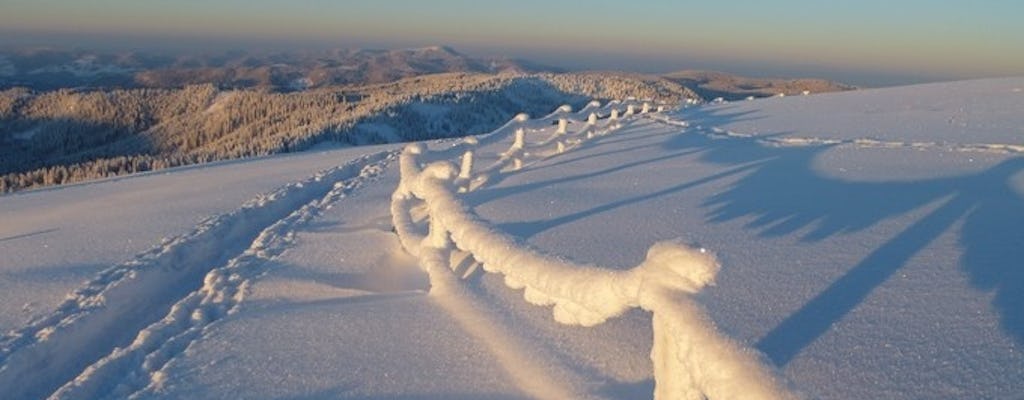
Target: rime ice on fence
(563, 119)
(467, 157)
(692, 360)
(466, 165)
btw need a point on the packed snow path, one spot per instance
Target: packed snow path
(879, 259)
(222, 256)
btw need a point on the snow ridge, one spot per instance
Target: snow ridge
(220, 257)
(692, 360)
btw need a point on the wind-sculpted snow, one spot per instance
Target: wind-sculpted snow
(692, 360)
(200, 277)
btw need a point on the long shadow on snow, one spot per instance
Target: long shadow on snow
(28, 235)
(629, 390)
(499, 176)
(497, 193)
(783, 194)
(382, 278)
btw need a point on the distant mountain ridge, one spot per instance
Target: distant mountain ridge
(714, 84)
(45, 69)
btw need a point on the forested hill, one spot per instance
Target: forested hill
(63, 136)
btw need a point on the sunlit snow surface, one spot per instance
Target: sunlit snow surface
(870, 243)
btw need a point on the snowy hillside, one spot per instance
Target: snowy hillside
(67, 136)
(841, 246)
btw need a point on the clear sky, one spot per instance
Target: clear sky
(866, 41)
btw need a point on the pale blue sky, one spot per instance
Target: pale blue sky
(861, 41)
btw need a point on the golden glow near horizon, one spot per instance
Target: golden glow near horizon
(955, 39)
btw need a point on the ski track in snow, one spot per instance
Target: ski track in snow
(200, 277)
(869, 143)
(715, 132)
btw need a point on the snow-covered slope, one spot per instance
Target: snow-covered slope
(869, 245)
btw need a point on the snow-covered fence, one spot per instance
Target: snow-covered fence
(692, 360)
(522, 148)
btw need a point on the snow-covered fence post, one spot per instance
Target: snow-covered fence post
(646, 108)
(520, 139)
(630, 110)
(517, 148)
(563, 126)
(403, 198)
(591, 125)
(563, 119)
(518, 142)
(466, 167)
(613, 120)
(437, 233)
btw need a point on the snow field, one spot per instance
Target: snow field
(860, 264)
(122, 298)
(52, 240)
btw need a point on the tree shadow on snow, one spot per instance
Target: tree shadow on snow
(778, 188)
(629, 390)
(785, 195)
(28, 235)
